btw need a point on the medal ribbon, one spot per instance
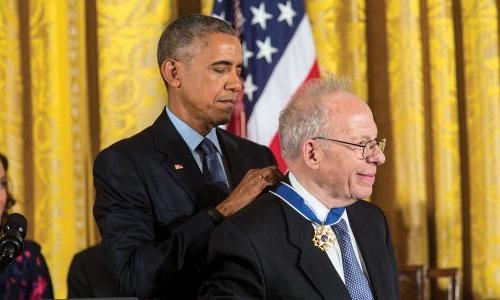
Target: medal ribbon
(292, 198)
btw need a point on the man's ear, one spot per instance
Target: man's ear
(312, 154)
(170, 72)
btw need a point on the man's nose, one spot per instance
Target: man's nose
(377, 156)
(234, 83)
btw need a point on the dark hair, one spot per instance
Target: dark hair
(176, 39)
(10, 200)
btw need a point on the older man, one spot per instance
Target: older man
(312, 237)
(160, 193)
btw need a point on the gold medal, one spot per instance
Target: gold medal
(323, 237)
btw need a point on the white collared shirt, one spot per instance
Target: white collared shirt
(321, 211)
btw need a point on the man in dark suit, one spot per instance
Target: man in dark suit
(160, 193)
(312, 237)
(90, 277)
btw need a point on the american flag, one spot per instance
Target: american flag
(278, 57)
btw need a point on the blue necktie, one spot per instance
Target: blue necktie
(212, 167)
(355, 279)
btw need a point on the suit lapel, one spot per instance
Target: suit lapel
(236, 162)
(177, 159)
(314, 263)
(372, 248)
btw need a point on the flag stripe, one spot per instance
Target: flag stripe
(279, 56)
(290, 73)
(275, 143)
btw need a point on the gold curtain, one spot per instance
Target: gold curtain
(433, 83)
(482, 125)
(58, 134)
(338, 29)
(11, 108)
(131, 92)
(445, 193)
(62, 64)
(430, 71)
(404, 64)
(76, 75)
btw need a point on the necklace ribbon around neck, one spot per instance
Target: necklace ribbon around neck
(323, 236)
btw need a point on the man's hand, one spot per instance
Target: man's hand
(254, 182)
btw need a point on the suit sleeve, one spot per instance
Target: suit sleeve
(78, 285)
(234, 268)
(139, 253)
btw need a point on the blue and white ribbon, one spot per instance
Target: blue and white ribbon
(294, 200)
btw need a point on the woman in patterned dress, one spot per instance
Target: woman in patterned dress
(27, 277)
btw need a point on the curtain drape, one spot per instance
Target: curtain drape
(131, 91)
(429, 69)
(76, 76)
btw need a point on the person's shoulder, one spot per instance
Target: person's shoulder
(92, 251)
(31, 245)
(91, 256)
(367, 206)
(260, 213)
(118, 154)
(124, 149)
(368, 210)
(129, 144)
(31, 249)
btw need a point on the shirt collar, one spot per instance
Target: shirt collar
(319, 209)
(191, 136)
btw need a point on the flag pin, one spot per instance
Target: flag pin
(178, 166)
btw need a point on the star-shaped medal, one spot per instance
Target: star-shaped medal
(323, 237)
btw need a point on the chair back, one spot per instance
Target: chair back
(412, 282)
(453, 286)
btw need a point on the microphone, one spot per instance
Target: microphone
(11, 243)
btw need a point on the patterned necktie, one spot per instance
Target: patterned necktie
(355, 279)
(212, 167)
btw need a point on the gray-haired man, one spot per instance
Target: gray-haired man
(312, 237)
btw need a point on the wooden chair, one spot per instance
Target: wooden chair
(412, 282)
(453, 287)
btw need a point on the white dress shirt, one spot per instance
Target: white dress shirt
(321, 212)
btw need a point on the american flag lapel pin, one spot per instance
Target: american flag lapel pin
(178, 166)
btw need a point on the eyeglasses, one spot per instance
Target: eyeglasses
(368, 146)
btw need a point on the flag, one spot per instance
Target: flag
(278, 57)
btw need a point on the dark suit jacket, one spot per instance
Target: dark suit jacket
(266, 252)
(90, 277)
(150, 207)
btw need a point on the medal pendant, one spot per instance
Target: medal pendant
(323, 237)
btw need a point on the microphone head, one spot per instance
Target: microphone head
(17, 223)
(11, 243)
